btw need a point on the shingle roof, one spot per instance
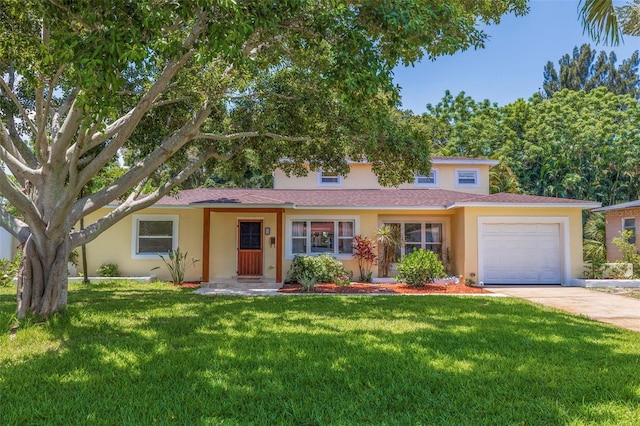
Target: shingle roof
(627, 205)
(356, 198)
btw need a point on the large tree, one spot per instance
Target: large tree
(586, 69)
(172, 85)
(577, 144)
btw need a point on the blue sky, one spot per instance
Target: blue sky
(511, 64)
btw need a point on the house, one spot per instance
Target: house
(493, 238)
(620, 217)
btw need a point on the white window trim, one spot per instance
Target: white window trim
(136, 218)
(444, 221)
(321, 183)
(297, 218)
(467, 185)
(436, 180)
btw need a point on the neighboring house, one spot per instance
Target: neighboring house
(7, 244)
(498, 238)
(620, 217)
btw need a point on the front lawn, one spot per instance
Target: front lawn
(132, 353)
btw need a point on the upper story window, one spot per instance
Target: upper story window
(427, 180)
(329, 179)
(153, 235)
(629, 224)
(467, 177)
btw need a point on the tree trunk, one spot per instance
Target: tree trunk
(43, 277)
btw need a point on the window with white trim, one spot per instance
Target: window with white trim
(427, 180)
(329, 179)
(467, 177)
(153, 235)
(419, 235)
(322, 236)
(629, 224)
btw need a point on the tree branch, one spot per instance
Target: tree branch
(145, 167)
(121, 129)
(14, 226)
(16, 102)
(254, 134)
(20, 200)
(131, 205)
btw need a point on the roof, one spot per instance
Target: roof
(621, 206)
(379, 199)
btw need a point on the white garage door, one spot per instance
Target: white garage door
(521, 253)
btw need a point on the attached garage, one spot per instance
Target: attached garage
(521, 251)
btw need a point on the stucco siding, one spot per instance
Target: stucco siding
(224, 243)
(362, 177)
(572, 216)
(114, 245)
(614, 222)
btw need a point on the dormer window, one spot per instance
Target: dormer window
(329, 179)
(427, 180)
(467, 177)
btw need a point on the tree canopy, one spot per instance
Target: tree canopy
(586, 69)
(177, 86)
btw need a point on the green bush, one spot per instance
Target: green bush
(629, 251)
(9, 269)
(308, 283)
(323, 268)
(108, 270)
(419, 268)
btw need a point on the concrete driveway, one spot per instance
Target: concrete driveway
(610, 308)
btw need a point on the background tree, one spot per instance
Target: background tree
(606, 22)
(198, 81)
(586, 70)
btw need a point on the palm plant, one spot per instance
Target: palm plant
(388, 240)
(595, 239)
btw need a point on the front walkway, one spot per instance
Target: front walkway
(604, 307)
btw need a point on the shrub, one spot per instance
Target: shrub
(363, 251)
(323, 268)
(9, 269)
(342, 280)
(420, 267)
(389, 240)
(308, 282)
(177, 264)
(108, 270)
(629, 251)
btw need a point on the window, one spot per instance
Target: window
(630, 225)
(153, 235)
(430, 180)
(329, 179)
(333, 237)
(466, 177)
(420, 235)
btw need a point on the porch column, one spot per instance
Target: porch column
(279, 256)
(206, 237)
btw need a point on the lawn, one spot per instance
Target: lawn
(132, 353)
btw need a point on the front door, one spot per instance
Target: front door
(249, 247)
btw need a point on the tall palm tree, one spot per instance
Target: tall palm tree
(607, 23)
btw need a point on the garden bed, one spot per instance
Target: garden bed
(385, 288)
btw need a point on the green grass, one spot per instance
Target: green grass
(132, 353)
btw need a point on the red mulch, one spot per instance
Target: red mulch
(188, 284)
(399, 288)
